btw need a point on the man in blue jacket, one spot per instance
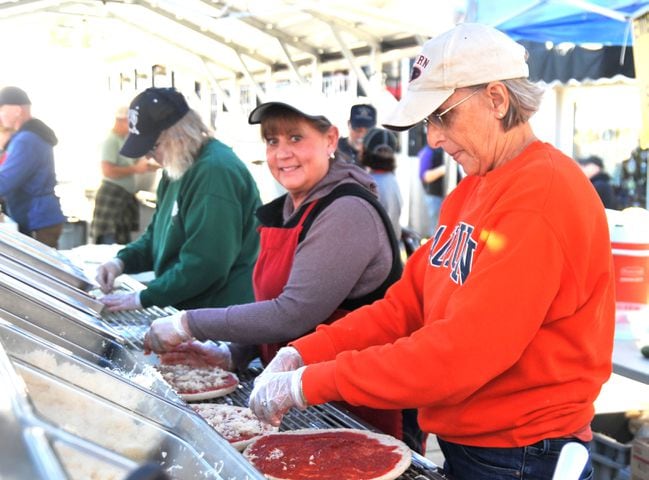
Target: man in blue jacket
(27, 176)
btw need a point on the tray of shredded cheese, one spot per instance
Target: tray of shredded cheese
(118, 411)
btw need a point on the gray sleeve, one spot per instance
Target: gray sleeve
(345, 241)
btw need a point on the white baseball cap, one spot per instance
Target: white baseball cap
(469, 54)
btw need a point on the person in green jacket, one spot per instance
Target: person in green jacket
(202, 242)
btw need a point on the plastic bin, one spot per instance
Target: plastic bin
(611, 447)
(74, 234)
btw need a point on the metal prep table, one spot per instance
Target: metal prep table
(41, 310)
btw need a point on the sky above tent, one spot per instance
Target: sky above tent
(607, 22)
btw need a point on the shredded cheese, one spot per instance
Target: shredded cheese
(184, 378)
(81, 416)
(232, 422)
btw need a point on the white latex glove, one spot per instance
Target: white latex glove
(285, 360)
(116, 302)
(166, 333)
(276, 394)
(200, 354)
(108, 272)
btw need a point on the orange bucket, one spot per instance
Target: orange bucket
(631, 263)
(629, 230)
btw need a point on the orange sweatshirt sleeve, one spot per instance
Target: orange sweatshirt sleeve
(383, 322)
(395, 316)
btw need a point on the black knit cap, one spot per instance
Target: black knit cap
(13, 96)
(150, 113)
(379, 138)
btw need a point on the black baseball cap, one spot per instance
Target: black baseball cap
(150, 113)
(14, 96)
(379, 138)
(362, 116)
(303, 101)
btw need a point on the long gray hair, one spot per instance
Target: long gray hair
(524, 100)
(182, 142)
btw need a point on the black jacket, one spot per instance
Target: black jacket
(602, 183)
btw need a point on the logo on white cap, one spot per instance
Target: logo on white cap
(419, 66)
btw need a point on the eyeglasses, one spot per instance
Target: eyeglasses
(436, 118)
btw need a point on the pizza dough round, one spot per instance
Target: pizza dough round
(194, 384)
(238, 425)
(329, 455)
(209, 394)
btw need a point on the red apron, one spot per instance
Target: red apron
(273, 267)
(276, 252)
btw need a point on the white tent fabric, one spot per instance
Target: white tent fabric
(235, 38)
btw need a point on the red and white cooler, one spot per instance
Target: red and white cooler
(629, 230)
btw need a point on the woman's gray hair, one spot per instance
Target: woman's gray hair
(182, 142)
(524, 100)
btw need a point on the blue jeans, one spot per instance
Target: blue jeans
(535, 462)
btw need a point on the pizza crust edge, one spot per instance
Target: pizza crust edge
(220, 392)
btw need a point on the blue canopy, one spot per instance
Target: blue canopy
(557, 21)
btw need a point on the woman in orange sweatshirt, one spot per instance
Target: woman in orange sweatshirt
(500, 330)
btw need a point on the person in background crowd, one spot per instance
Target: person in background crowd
(362, 117)
(431, 173)
(593, 168)
(308, 272)
(500, 329)
(378, 154)
(116, 213)
(5, 136)
(202, 242)
(27, 175)
(630, 180)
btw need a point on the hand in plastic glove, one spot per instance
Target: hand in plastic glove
(200, 354)
(285, 360)
(108, 272)
(276, 394)
(166, 333)
(121, 301)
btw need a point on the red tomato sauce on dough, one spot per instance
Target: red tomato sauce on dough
(322, 456)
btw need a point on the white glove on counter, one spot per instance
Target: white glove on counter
(116, 302)
(108, 272)
(276, 394)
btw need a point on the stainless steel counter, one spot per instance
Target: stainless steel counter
(64, 346)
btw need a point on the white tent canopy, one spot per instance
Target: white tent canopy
(230, 40)
(78, 59)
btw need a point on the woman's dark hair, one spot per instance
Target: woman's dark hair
(381, 159)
